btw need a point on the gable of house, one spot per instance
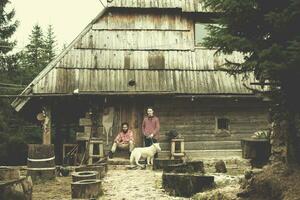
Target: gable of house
(138, 47)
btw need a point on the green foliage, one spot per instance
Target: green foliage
(50, 44)
(268, 35)
(35, 58)
(38, 53)
(17, 70)
(7, 27)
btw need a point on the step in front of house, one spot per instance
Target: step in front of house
(207, 154)
(232, 158)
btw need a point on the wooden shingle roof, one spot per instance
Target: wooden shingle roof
(154, 50)
(184, 5)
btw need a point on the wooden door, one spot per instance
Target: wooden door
(132, 114)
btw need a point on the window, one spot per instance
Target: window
(201, 32)
(222, 123)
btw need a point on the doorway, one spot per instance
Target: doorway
(132, 113)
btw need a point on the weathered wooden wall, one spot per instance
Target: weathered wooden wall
(196, 121)
(146, 46)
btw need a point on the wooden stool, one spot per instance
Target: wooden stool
(99, 142)
(173, 148)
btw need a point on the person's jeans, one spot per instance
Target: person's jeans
(129, 146)
(149, 142)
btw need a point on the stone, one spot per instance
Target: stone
(248, 174)
(220, 167)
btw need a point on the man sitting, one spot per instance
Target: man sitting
(124, 140)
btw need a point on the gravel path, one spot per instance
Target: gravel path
(134, 184)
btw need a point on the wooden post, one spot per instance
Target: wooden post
(182, 147)
(47, 125)
(172, 149)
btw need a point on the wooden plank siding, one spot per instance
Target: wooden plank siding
(199, 59)
(64, 80)
(196, 121)
(123, 46)
(155, 48)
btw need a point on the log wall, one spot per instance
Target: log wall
(196, 121)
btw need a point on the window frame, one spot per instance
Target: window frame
(206, 21)
(217, 123)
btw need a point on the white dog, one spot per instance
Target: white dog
(144, 152)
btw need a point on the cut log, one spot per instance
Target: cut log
(17, 189)
(186, 185)
(189, 167)
(162, 163)
(86, 189)
(85, 175)
(9, 173)
(101, 169)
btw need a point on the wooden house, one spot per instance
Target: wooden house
(137, 53)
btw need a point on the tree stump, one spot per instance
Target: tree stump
(85, 175)
(162, 163)
(16, 189)
(86, 189)
(41, 162)
(9, 173)
(186, 185)
(188, 167)
(178, 168)
(101, 169)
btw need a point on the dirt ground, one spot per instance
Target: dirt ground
(121, 184)
(117, 185)
(134, 184)
(59, 189)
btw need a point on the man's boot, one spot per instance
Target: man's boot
(110, 154)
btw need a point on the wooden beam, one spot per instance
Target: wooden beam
(47, 125)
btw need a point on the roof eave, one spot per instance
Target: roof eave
(19, 103)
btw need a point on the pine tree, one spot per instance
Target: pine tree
(50, 45)
(7, 28)
(268, 35)
(35, 51)
(13, 137)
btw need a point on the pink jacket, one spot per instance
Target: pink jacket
(151, 126)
